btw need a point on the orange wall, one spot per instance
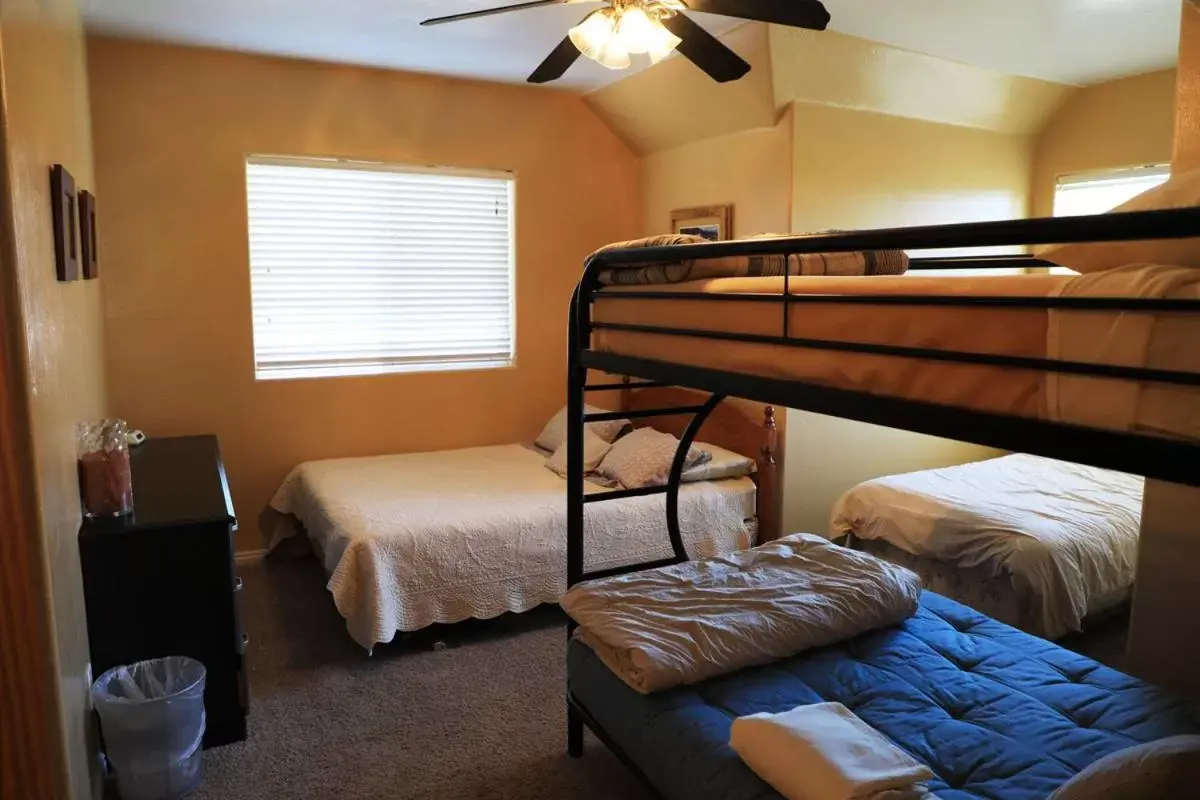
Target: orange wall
(45, 121)
(172, 128)
(1187, 114)
(1121, 123)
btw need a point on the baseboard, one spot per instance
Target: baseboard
(250, 556)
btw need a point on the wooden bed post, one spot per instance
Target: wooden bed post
(770, 481)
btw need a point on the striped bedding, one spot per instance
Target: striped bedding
(869, 262)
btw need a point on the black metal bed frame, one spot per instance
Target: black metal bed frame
(1159, 458)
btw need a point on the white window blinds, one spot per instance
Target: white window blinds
(359, 269)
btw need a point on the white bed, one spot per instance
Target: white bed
(410, 540)
(1037, 543)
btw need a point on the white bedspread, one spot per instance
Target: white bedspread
(410, 540)
(686, 623)
(1067, 534)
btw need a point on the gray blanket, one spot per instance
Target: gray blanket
(686, 623)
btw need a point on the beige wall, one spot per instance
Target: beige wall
(1122, 123)
(172, 128)
(843, 177)
(834, 69)
(856, 169)
(46, 122)
(749, 169)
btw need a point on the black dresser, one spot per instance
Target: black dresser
(162, 581)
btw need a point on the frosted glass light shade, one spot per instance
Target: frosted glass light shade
(597, 38)
(641, 34)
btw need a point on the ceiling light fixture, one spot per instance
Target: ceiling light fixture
(610, 35)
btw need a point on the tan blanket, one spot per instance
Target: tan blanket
(870, 262)
(1152, 340)
(689, 622)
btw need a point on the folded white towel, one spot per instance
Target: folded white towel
(824, 752)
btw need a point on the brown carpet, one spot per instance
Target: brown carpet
(464, 711)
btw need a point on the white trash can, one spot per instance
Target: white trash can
(152, 717)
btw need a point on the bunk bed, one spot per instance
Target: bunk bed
(994, 712)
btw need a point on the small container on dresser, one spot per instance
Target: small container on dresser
(162, 580)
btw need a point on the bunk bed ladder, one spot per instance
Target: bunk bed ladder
(579, 327)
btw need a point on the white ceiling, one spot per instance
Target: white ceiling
(380, 33)
(1069, 41)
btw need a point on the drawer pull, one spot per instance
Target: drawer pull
(244, 644)
(237, 584)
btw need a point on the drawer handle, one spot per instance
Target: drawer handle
(245, 643)
(237, 584)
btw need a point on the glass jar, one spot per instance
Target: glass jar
(105, 481)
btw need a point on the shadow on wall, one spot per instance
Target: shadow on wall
(827, 456)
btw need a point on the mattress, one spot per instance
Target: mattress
(981, 329)
(1061, 538)
(413, 539)
(994, 593)
(997, 714)
(1159, 340)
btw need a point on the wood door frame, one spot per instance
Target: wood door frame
(32, 747)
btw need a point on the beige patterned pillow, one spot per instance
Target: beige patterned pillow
(554, 435)
(594, 451)
(643, 458)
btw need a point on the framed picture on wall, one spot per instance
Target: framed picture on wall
(714, 223)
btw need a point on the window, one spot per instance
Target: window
(1097, 192)
(362, 269)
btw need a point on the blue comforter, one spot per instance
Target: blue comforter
(996, 713)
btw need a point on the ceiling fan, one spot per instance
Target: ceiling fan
(656, 27)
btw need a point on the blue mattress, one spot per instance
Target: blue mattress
(994, 712)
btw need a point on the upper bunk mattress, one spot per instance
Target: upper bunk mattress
(417, 538)
(1132, 339)
(997, 714)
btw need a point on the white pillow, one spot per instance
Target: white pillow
(643, 458)
(1181, 191)
(721, 464)
(1167, 768)
(554, 435)
(594, 451)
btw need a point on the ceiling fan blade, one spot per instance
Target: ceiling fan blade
(557, 63)
(793, 13)
(487, 12)
(705, 50)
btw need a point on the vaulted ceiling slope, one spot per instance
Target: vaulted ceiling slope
(674, 103)
(1066, 41)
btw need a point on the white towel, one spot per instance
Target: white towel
(824, 752)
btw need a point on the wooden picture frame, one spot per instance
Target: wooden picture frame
(714, 223)
(87, 235)
(64, 212)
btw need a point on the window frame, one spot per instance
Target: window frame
(348, 370)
